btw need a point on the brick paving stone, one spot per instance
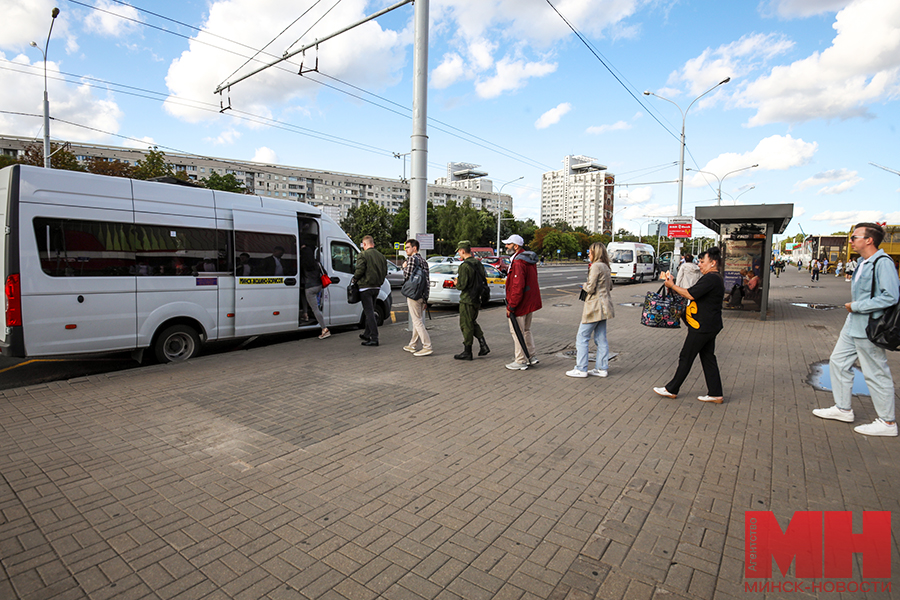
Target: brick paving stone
(172, 482)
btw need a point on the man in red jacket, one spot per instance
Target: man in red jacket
(523, 297)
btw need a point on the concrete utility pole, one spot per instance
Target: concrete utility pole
(418, 183)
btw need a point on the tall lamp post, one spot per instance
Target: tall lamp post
(500, 211)
(43, 52)
(722, 178)
(676, 254)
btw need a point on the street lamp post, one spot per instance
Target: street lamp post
(722, 178)
(677, 251)
(734, 198)
(500, 210)
(43, 52)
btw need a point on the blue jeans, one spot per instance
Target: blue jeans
(875, 369)
(582, 341)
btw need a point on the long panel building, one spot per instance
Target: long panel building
(582, 194)
(334, 192)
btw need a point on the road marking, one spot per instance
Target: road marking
(573, 277)
(39, 360)
(393, 317)
(547, 287)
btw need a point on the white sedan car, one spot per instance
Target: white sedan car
(443, 283)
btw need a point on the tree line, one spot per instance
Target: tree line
(152, 166)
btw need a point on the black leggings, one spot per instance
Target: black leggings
(703, 344)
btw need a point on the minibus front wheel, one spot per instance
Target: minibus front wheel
(177, 343)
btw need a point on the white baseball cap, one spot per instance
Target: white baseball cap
(514, 239)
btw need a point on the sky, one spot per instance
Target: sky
(513, 86)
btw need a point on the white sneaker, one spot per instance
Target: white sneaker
(834, 413)
(534, 361)
(410, 348)
(877, 427)
(598, 373)
(662, 391)
(576, 373)
(517, 366)
(424, 352)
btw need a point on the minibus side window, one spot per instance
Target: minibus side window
(265, 251)
(70, 248)
(343, 257)
(175, 250)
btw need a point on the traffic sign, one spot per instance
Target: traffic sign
(426, 241)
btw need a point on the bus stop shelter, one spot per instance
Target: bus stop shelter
(746, 232)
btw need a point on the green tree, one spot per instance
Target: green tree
(110, 168)
(153, 166)
(60, 157)
(369, 218)
(6, 160)
(401, 223)
(225, 183)
(468, 224)
(537, 241)
(446, 218)
(566, 243)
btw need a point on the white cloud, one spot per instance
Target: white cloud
(511, 75)
(774, 153)
(617, 126)
(227, 137)
(799, 211)
(369, 56)
(144, 143)
(451, 70)
(24, 22)
(804, 8)
(848, 218)
(111, 19)
(845, 180)
(861, 67)
(68, 102)
(729, 60)
(265, 155)
(552, 116)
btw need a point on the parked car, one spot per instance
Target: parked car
(394, 275)
(432, 260)
(442, 279)
(501, 263)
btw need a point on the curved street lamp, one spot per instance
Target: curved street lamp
(735, 198)
(500, 210)
(53, 14)
(722, 178)
(677, 252)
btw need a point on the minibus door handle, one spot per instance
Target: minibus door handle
(290, 281)
(335, 280)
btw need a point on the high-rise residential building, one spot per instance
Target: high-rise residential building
(582, 194)
(334, 192)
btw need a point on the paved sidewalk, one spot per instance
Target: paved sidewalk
(323, 469)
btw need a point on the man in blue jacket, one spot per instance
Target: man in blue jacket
(853, 343)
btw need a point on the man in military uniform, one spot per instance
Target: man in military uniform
(469, 283)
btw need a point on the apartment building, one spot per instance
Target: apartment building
(334, 192)
(582, 194)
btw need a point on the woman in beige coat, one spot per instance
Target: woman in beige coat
(597, 309)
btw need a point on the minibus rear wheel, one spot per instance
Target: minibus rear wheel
(177, 343)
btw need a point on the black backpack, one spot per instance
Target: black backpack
(481, 286)
(884, 332)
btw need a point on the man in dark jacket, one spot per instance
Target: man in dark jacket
(523, 297)
(471, 277)
(371, 269)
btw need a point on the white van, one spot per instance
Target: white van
(99, 264)
(631, 261)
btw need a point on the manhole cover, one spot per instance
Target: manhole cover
(631, 304)
(562, 305)
(814, 306)
(820, 379)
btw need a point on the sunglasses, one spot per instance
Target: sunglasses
(853, 238)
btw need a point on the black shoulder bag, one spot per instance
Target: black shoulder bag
(884, 332)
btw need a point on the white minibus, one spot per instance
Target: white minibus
(100, 264)
(631, 261)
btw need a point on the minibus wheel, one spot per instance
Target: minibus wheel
(177, 343)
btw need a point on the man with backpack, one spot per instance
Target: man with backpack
(870, 298)
(473, 292)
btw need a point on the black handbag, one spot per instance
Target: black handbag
(582, 295)
(884, 331)
(353, 293)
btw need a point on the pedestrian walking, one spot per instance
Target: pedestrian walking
(312, 283)
(371, 269)
(470, 282)
(815, 267)
(688, 273)
(416, 306)
(853, 344)
(850, 269)
(523, 298)
(703, 316)
(598, 309)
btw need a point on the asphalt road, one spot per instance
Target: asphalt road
(555, 282)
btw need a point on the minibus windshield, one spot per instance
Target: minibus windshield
(621, 256)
